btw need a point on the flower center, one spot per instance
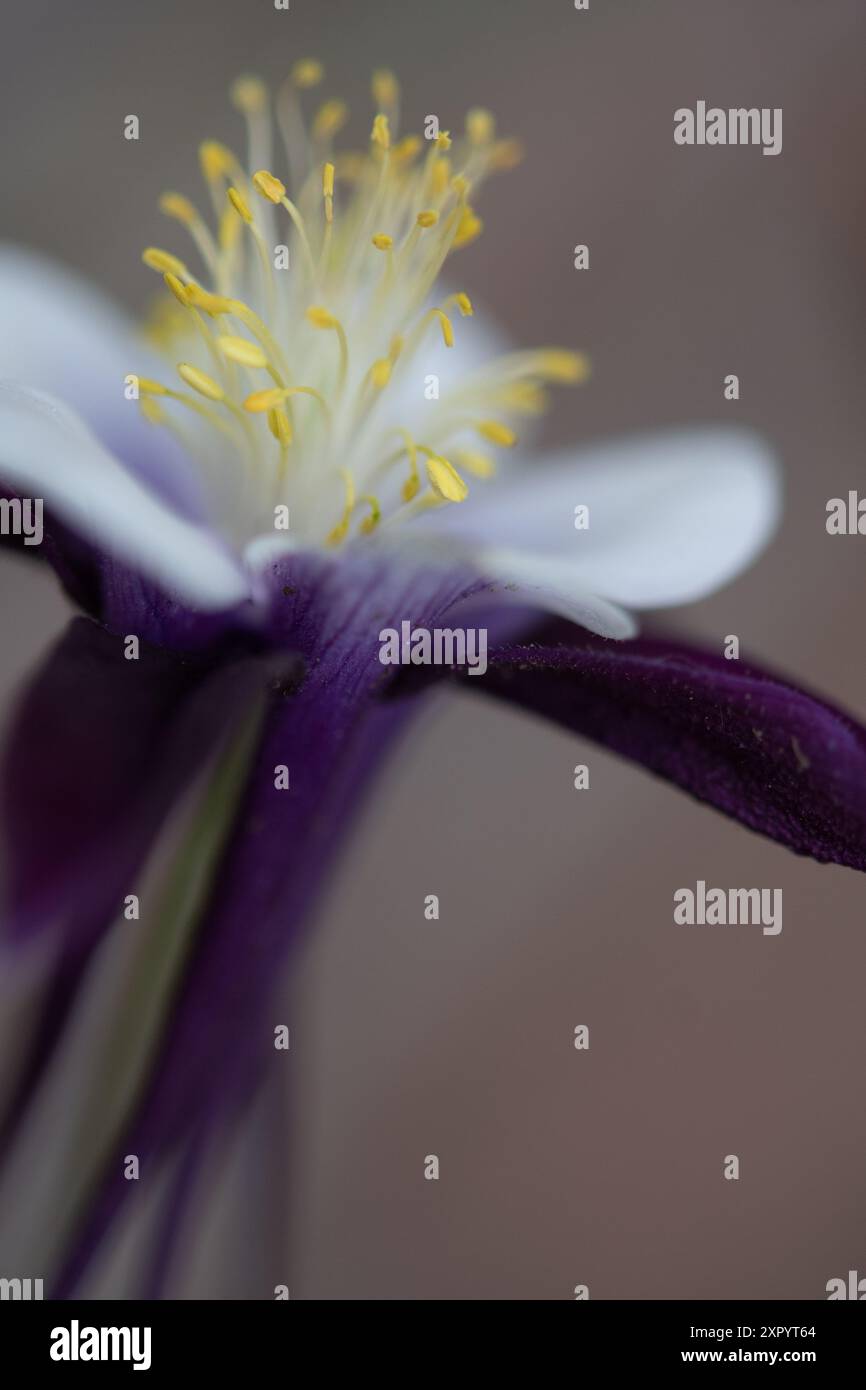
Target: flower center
(303, 350)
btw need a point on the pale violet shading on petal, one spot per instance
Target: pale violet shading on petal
(62, 335)
(672, 516)
(48, 453)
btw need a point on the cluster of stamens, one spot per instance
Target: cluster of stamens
(313, 309)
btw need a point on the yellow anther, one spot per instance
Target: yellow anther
(242, 350)
(385, 88)
(328, 191)
(397, 345)
(412, 484)
(464, 304)
(372, 521)
(566, 368)
(240, 204)
(211, 303)
(444, 479)
(147, 387)
(249, 95)
(480, 126)
(440, 175)
(152, 412)
(216, 160)
(469, 227)
(380, 372)
(497, 433)
(443, 140)
(321, 318)
(260, 401)
(382, 242)
(164, 262)
(445, 325)
(481, 465)
(428, 218)
(526, 397)
(505, 155)
(406, 149)
(461, 185)
(229, 229)
(178, 289)
(269, 186)
(201, 382)
(306, 73)
(339, 532)
(280, 426)
(175, 205)
(381, 132)
(329, 119)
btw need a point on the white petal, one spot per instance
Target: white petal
(48, 452)
(59, 334)
(550, 584)
(671, 517)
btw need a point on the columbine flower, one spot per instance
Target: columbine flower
(316, 446)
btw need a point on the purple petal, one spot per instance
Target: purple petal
(332, 733)
(772, 756)
(97, 754)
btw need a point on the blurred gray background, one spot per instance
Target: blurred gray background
(455, 1038)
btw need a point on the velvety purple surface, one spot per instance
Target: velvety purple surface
(121, 741)
(772, 756)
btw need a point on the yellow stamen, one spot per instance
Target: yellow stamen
(306, 73)
(240, 204)
(322, 318)
(339, 532)
(229, 229)
(380, 373)
(443, 140)
(242, 350)
(175, 205)
(279, 426)
(385, 88)
(481, 465)
(469, 228)
(147, 387)
(275, 192)
(382, 242)
(567, 368)
(407, 149)
(372, 521)
(152, 411)
(496, 433)
(480, 126)
(217, 161)
(413, 483)
(329, 119)
(381, 133)
(440, 175)
(428, 218)
(201, 382)
(212, 304)
(164, 262)
(249, 95)
(445, 324)
(328, 191)
(463, 302)
(269, 186)
(178, 290)
(444, 479)
(261, 401)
